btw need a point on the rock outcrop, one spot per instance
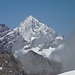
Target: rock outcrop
(10, 65)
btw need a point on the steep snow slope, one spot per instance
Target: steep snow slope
(68, 73)
(67, 54)
(33, 30)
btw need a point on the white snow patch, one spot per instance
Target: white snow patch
(59, 37)
(47, 52)
(68, 73)
(36, 49)
(1, 68)
(6, 62)
(44, 52)
(32, 38)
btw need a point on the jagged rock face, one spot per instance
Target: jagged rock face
(7, 41)
(9, 65)
(3, 30)
(36, 64)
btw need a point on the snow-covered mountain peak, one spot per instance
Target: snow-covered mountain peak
(32, 28)
(39, 38)
(31, 18)
(32, 42)
(39, 35)
(31, 22)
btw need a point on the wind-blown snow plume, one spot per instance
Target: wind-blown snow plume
(66, 54)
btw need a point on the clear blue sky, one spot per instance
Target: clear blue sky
(58, 14)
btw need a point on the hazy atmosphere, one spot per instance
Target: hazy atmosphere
(58, 14)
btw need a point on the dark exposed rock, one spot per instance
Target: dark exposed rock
(3, 27)
(8, 37)
(10, 65)
(3, 30)
(36, 64)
